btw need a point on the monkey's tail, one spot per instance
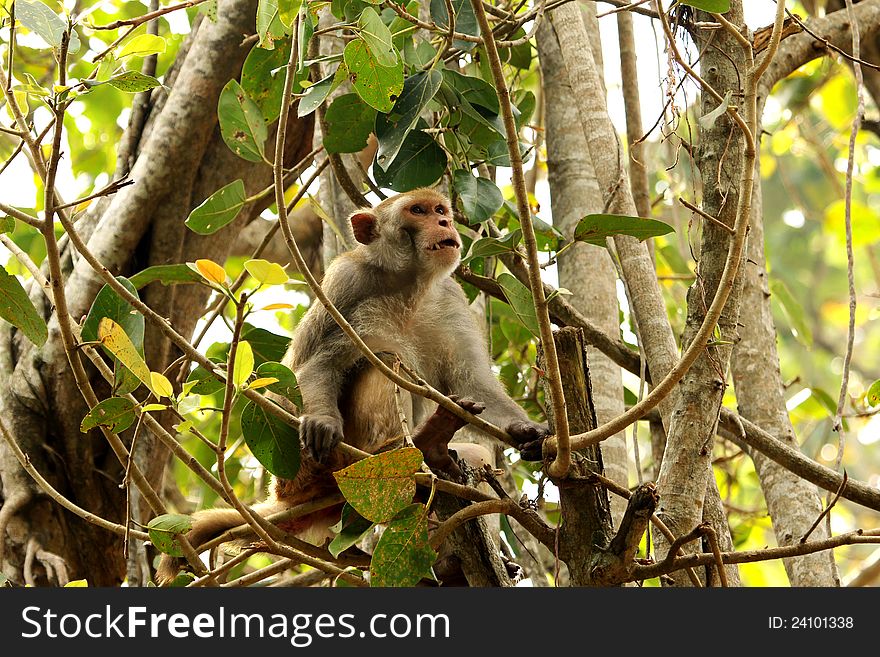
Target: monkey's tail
(208, 524)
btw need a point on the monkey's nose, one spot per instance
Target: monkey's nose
(443, 222)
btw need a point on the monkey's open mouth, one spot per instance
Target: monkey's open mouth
(448, 243)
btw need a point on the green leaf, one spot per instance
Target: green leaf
(270, 26)
(132, 82)
(521, 302)
(207, 383)
(519, 56)
(286, 386)
(716, 6)
(115, 413)
(272, 442)
(793, 311)
(241, 123)
(377, 36)
(491, 246)
(392, 129)
(262, 78)
(165, 274)
(164, 529)
(244, 363)
(420, 163)
(474, 90)
(873, 394)
(17, 309)
(218, 210)
(349, 530)
(7, 224)
(464, 19)
(315, 95)
(378, 85)
(39, 18)
(594, 228)
(349, 124)
(380, 486)
(480, 197)
(143, 45)
(676, 263)
(403, 555)
(267, 346)
(108, 303)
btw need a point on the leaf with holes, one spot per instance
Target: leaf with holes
(262, 78)
(218, 210)
(380, 486)
(272, 442)
(164, 529)
(873, 394)
(349, 124)
(403, 555)
(594, 228)
(17, 309)
(242, 125)
(378, 85)
(115, 413)
(270, 26)
(521, 302)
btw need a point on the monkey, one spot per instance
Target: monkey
(395, 289)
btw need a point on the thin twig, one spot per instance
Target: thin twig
(693, 208)
(826, 510)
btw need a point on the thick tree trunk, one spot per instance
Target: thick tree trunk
(687, 460)
(182, 160)
(584, 269)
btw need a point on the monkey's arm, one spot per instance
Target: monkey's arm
(468, 373)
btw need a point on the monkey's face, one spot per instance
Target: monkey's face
(427, 217)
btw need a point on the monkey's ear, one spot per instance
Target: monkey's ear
(363, 224)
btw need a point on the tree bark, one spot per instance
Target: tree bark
(584, 269)
(182, 159)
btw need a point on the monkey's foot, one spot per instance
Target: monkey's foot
(530, 437)
(433, 436)
(320, 435)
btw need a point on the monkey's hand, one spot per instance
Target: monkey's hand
(320, 435)
(433, 436)
(530, 436)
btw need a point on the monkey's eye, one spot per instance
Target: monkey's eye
(440, 209)
(417, 209)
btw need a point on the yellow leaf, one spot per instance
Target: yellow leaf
(211, 271)
(278, 306)
(82, 206)
(113, 337)
(244, 363)
(267, 273)
(160, 385)
(77, 584)
(262, 382)
(154, 407)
